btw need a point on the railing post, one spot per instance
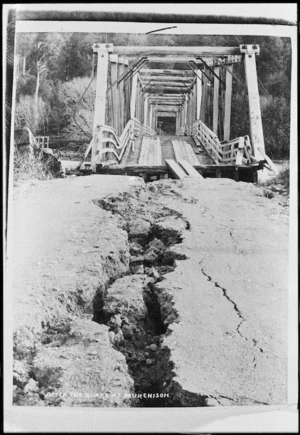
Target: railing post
(256, 129)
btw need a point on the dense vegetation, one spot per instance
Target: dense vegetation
(53, 70)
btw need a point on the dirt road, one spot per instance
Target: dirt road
(196, 272)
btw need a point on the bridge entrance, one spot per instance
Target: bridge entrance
(166, 125)
(156, 105)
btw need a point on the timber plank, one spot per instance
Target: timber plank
(189, 169)
(158, 153)
(143, 159)
(190, 152)
(184, 151)
(175, 169)
(151, 153)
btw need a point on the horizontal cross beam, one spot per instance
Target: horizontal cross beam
(163, 72)
(164, 78)
(186, 50)
(167, 58)
(182, 85)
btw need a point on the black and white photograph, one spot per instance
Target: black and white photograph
(150, 218)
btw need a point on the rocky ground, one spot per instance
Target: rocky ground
(172, 293)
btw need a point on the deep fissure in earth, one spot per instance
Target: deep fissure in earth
(138, 331)
(133, 304)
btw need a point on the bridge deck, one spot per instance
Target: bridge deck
(155, 150)
(148, 159)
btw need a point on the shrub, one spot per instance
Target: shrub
(276, 122)
(31, 167)
(26, 115)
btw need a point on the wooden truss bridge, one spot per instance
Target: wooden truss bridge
(166, 111)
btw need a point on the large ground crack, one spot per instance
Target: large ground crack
(137, 311)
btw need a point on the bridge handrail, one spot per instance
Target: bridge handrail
(207, 138)
(109, 135)
(142, 128)
(118, 143)
(148, 130)
(236, 151)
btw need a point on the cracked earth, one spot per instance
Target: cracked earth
(186, 279)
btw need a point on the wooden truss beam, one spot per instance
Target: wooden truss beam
(163, 72)
(194, 51)
(167, 58)
(163, 79)
(180, 85)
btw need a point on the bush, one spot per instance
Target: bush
(31, 167)
(26, 115)
(282, 178)
(276, 122)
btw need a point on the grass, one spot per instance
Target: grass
(279, 184)
(282, 178)
(31, 167)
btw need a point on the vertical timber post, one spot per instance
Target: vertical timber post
(194, 103)
(126, 94)
(199, 92)
(102, 51)
(122, 106)
(204, 99)
(133, 96)
(256, 130)
(227, 108)
(185, 111)
(146, 110)
(216, 101)
(151, 117)
(114, 91)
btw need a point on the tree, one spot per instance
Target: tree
(75, 58)
(26, 115)
(78, 109)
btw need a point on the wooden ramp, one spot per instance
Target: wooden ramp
(182, 169)
(189, 169)
(176, 170)
(150, 152)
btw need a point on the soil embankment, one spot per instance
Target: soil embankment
(172, 293)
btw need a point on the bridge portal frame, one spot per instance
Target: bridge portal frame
(195, 90)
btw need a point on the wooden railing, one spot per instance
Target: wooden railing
(140, 128)
(235, 152)
(107, 147)
(43, 141)
(117, 146)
